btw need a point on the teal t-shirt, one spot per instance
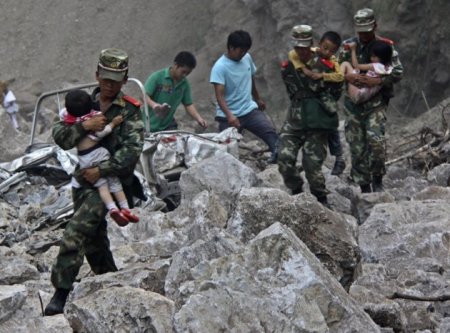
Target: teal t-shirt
(162, 89)
(236, 76)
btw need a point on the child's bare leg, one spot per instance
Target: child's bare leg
(106, 196)
(121, 199)
(346, 68)
(114, 212)
(352, 90)
(354, 93)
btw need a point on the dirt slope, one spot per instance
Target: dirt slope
(47, 44)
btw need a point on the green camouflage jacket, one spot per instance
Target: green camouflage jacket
(307, 109)
(387, 91)
(125, 143)
(334, 89)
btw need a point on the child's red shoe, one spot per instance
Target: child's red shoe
(118, 217)
(129, 215)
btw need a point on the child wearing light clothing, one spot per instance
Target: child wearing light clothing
(381, 57)
(78, 109)
(10, 104)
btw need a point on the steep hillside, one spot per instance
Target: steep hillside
(57, 42)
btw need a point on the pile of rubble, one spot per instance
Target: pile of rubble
(240, 254)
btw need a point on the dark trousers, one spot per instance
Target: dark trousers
(334, 143)
(257, 123)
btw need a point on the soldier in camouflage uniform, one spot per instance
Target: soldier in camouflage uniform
(309, 120)
(365, 123)
(329, 70)
(86, 233)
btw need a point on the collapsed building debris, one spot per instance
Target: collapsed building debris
(428, 147)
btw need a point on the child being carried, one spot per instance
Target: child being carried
(78, 109)
(380, 57)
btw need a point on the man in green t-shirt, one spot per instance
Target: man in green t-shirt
(166, 89)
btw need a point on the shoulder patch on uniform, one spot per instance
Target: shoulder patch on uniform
(284, 64)
(131, 100)
(386, 40)
(328, 63)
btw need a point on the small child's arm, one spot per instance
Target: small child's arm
(313, 75)
(108, 128)
(365, 67)
(117, 120)
(355, 63)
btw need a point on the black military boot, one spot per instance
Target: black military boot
(339, 167)
(297, 190)
(324, 201)
(377, 184)
(56, 305)
(365, 188)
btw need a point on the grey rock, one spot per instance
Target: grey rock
(404, 249)
(364, 203)
(224, 182)
(11, 299)
(439, 175)
(273, 284)
(121, 309)
(329, 235)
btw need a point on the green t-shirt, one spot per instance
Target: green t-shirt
(161, 88)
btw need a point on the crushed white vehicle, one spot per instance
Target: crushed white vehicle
(165, 156)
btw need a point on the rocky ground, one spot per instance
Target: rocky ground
(242, 255)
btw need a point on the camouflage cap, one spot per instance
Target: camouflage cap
(113, 64)
(301, 36)
(364, 20)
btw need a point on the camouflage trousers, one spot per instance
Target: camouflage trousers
(85, 235)
(314, 144)
(365, 134)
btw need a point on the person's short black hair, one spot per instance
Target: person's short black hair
(383, 51)
(333, 37)
(239, 38)
(185, 59)
(78, 103)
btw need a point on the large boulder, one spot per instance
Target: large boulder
(331, 236)
(121, 309)
(405, 249)
(222, 174)
(273, 284)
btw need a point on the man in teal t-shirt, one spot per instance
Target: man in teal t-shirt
(238, 102)
(166, 89)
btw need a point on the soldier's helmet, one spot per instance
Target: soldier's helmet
(301, 36)
(113, 64)
(364, 20)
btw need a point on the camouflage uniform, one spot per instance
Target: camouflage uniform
(86, 232)
(308, 123)
(365, 123)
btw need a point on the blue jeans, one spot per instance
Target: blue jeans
(257, 123)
